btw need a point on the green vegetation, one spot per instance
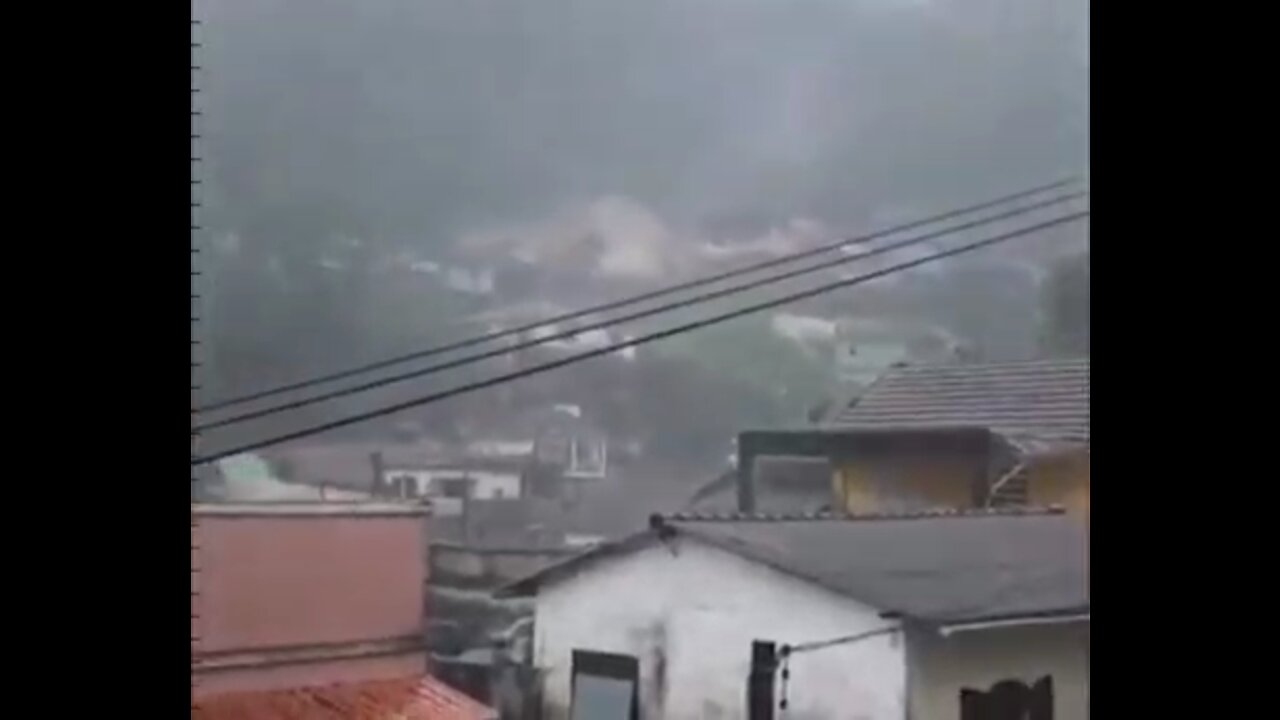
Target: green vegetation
(1065, 307)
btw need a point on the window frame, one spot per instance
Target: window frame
(613, 666)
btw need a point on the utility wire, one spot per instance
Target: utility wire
(572, 315)
(668, 307)
(643, 339)
(789, 650)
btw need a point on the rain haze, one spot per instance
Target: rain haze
(388, 176)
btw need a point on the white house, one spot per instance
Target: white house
(872, 618)
(449, 483)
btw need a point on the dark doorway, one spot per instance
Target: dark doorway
(764, 664)
(1009, 700)
(604, 686)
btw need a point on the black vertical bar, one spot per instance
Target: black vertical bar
(377, 468)
(764, 665)
(746, 472)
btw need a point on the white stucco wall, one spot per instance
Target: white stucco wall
(501, 448)
(494, 485)
(690, 617)
(486, 484)
(941, 667)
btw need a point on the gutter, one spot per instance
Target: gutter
(949, 630)
(266, 657)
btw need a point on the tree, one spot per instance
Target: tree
(1065, 308)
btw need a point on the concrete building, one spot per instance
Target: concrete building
(298, 608)
(875, 617)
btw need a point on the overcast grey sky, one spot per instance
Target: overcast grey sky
(426, 119)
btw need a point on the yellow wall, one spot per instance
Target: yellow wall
(863, 487)
(872, 486)
(1063, 481)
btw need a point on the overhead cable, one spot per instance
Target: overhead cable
(613, 305)
(633, 342)
(668, 307)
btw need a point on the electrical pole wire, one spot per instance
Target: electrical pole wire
(668, 307)
(632, 342)
(613, 305)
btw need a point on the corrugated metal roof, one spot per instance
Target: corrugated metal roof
(944, 568)
(936, 566)
(1048, 398)
(421, 698)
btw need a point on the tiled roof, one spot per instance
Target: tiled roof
(1046, 398)
(423, 698)
(933, 566)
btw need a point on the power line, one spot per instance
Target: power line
(789, 650)
(613, 305)
(659, 335)
(675, 305)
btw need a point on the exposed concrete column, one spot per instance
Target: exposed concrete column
(746, 473)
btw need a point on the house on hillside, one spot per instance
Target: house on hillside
(924, 615)
(447, 476)
(561, 447)
(865, 347)
(450, 483)
(958, 436)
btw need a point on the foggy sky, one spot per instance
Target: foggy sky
(425, 119)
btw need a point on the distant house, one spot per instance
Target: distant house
(866, 348)
(958, 436)
(879, 617)
(310, 610)
(251, 478)
(557, 441)
(450, 484)
(400, 471)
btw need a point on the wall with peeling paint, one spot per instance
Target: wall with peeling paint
(689, 613)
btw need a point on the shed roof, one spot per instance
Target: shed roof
(420, 698)
(1045, 398)
(936, 566)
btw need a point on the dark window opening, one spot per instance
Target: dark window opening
(1009, 700)
(760, 683)
(404, 486)
(453, 487)
(605, 686)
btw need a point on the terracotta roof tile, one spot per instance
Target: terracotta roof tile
(423, 698)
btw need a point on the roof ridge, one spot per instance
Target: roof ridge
(827, 515)
(1037, 362)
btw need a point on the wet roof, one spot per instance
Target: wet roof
(935, 566)
(1044, 398)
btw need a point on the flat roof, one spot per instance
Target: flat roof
(309, 509)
